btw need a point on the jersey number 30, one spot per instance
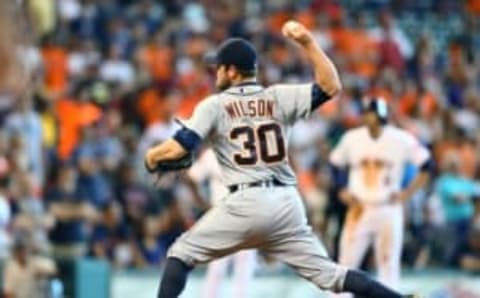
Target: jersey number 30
(258, 138)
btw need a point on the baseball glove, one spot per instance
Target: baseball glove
(172, 165)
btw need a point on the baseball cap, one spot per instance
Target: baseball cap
(234, 51)
(377, 105)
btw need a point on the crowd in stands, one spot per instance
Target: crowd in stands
(110, 76)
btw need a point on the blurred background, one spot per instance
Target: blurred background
(109, 77)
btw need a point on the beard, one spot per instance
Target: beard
(223, 85)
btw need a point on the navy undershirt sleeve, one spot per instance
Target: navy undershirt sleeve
(318, 97)
(189, 139)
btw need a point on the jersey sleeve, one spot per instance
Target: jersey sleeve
(204, 117)
(295, 100)
(417, 153)
(339, 155)
(298, 100)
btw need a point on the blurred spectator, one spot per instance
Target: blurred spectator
(148, 13)
(25, 124)
(118, 33)
(17, 159)
(133, 196)
(193, 86)
(356, 48)
(71, 213)
(89, 22)
(466, 118)
(321, 31)
(388, 29)
(50, 134)
(44, 15)
(92, 184)
(149, 105)
(107, 147)
(195, 18)
(27, 274)
(109, 238)
(425, 61)
(458, 143)
(82, 55)
(149, 250)
(163, 223)
(30, 214)
(55, 65)
(116, 70)
(73, 115)
(364, 60)
(156, 57)
(69, 9)
(458, 74)
(395, 47)
(470, 257)
(457, 194)
(13, 27)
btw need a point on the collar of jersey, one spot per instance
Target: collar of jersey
(251, 87)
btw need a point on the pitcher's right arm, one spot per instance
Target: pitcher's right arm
(326, 75)
(299, 100)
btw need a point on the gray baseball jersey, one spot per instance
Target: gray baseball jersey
(248, 128)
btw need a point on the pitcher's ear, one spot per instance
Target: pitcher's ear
(231, 71)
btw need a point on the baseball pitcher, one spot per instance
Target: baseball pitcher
(247, 126)
(376, 155)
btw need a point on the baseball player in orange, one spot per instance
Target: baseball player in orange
(375, 156)
(248, 126)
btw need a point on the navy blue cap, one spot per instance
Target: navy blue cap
(237, 52)
(377, 105)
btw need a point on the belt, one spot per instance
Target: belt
(267, 183)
